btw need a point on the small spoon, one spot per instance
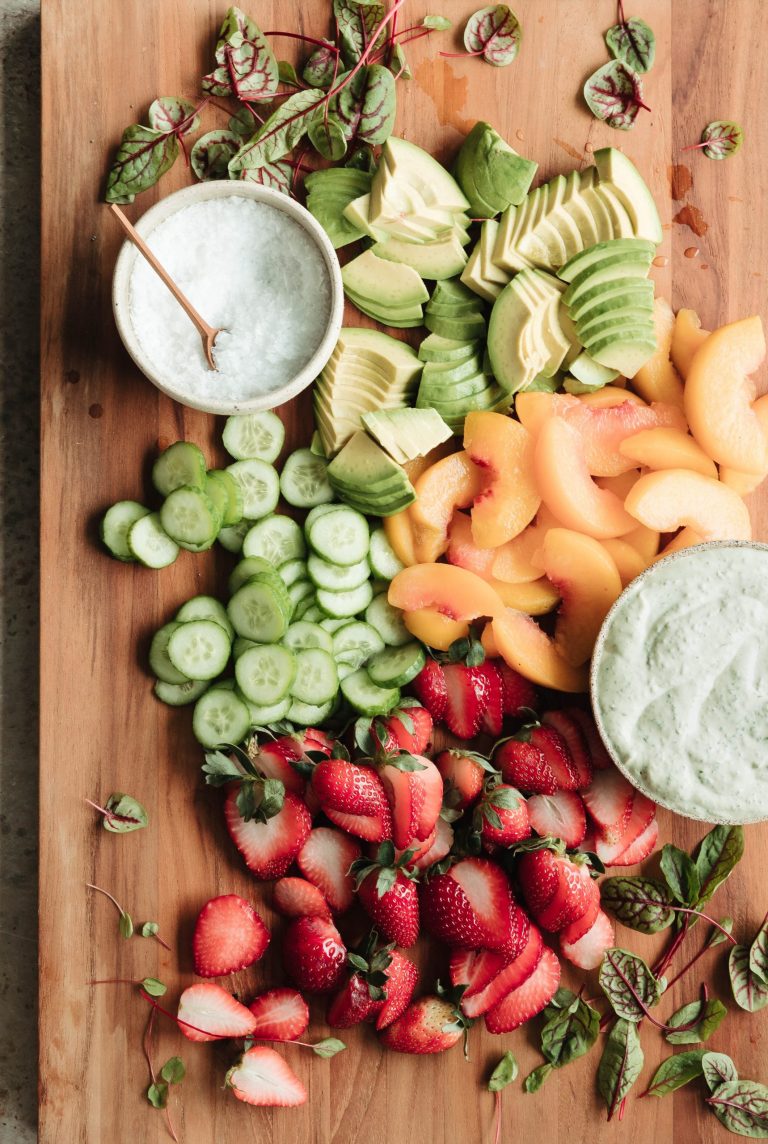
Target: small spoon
(207, 333)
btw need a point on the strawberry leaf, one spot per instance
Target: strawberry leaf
(741, 1106)
(143, 157)
(614, 93)
(491, 817)
(681, 874)
(704, 1016)
(721, 139)
(675, 1072)
(718, 1068)
(620, 1064)
(210, 156)
(750, 992)
(219, 768)
(385, 881)
(633, 43)
(642, 904)
(628, 984)
(247, 67)
(366, 106)
(405, 762)
(493, 33)
(505, 1072)
(281, 132)
(123, 814)
(358, 962)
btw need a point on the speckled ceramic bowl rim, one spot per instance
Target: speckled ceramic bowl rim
(681, 554)
(205, 192)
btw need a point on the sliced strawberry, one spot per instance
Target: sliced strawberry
(263, 1077)
(502, 816)
(539, 879)
(468, 905)
(528, 999)
(207, 1012)
(555, 752)
(415, 796)
(441, 845)
(475, 968)
(352, 1004)
(466, 688)
(510, 976)
(324, 860)
(518, 694)
(314, 955)
(609, 802)
(601, 760)
(269, 847)
(402, 976)
(492, 699)
(643, 845)
(588, 951)
(427, 1026)
(524, 766)
(576, 890)
(574, 930)
(281, 1014)
(463, 774)
(371, 828)
(313, 741)
(559, 815)
(430, 687)
(353, 797)
(517, 932)
(407, 728)
(229, 935)
(609, 849)
(575, 741)
(488, 892)
(298, 898)
(274, 759)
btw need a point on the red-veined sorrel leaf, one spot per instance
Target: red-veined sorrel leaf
(247, 67)
(741, 1106)
(328, 137)
(721, 139)
(144, 155)
(717, 855)
(356, 21)
(633, 43)
(675, 1072)
(718, 1068)
(277, 175)
(168, 113)
(620, 1064)
(642, 904)
(699, 1019)
(436, 23)
(495, 34)
(243, 122)
(211, 154)
(319, 68)
(615, 93)
(366, 106)
(398, 64)
(286, 73)
(758, 952)
(750, 992)
(281, 132)
(628, 984)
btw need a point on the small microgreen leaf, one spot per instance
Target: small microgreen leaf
(143, 157)
(150, 929)
(680, 873)
(505, 1072)
(173, 1071)
(286, 73)
(124, 814)
(718, 1068)
(436, 23)
(717, 855)
(750, 992)
(154, 988)
(495, 34)
(721, 139)
(633, 43)
(642, 904)
(126, 925)
(742, 1107)
(535, 1079)
(328, 138)
(157, 1094)
(614, 93)
(717, 937)
(328, 1047)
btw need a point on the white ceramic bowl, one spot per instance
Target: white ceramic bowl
(202, 192)
(754, 814)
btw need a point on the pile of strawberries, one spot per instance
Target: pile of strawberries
(480, 853)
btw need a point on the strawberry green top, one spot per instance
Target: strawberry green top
(680, 682)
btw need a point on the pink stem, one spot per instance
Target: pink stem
(106, 894)
(390, 15)
(305, 40)
(180, 1020)
(497, 1134)
(460, 55)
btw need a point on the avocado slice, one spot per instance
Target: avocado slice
(385, 283)
(620, 220)
(453, 309)
(329, 192)
(605, 292)
(464, 329)
(543, 244)
(435, 348)
(586, 259)
(472, 276)
(615, 168)
(564, 222)
(488, 268)
(406, 433)
(407, 161)
(451, 371)
(443, 258)
(621, 316)
(491, 173)
(439, 388)
(356, 213)
(514, 355)
(362, 464)
(600, 214)
(626, 350)
(608, 269)
(588, 374)
(392, 353)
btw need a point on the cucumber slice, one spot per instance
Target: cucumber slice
(308, 714)
(299, 591)
(232, 537)
(356, 642)
(385, 565)
(150, 543)
(361, 692)
(387, 621)
(329, 624)
(220, 717)
(180, 464)
(303, 481)
(396, 666)
(317, 680)
(246, 568)
(303, 634)
(240, 645)
(276, 539)
(344, 669)
(226, 495)
(263, 716)
(158, 656)
(259, 485)
(205, 608)
(261, 609)
(292, 571)
(264, 674)
(199, 649)
(254, 436)
(116, 524)
(337, 577)
(314, 513)
(180, 694)
(307, 609)
(190, 518)
(349, 603)
(340, 536)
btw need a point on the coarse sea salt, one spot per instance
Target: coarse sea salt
(247, 268)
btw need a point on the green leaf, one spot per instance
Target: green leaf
(642, 904)
(437, 23)
(328, 138)
(247, 67)
(718, 1068)
(717, 855)
(628, 984)
(632, 42)
(614, 93)
(405, 762)
(243, 122)
(717, 937)
(168, 113)
(219, 768)
(272, 799)
(706, 1014)
(758, 952)
(535, 1079)
(495, 34)
(356, 21)
(722, 139)
(150, 929)
(126, 926)
(286, 73)
(319, 68)
(278, 176)
(681, 874)
(328, 1047)
(569, 1032)
(750, 992)
(620, 1064)
(154, 988)
(385, 881)
(505, 797)
(124, 814)
(675, 1072)
(173, 1070)
(211, 154)
(505, 1072)
(366, 106)
(157, 1095)
(741, 1106)
(281, 132)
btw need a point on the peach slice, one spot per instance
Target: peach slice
(567, 489)
(719, 396)
(525, 647)
(451, 483)
(503, 449)
(620, 484)
(610, 395)
(667, 448)
(629, 562)
(644, 540)
(454, 592)
(463, 551)
(671, 498)
(399, 532)
(535, 598)
(588, 581)
(685, 538)
(741, 482)
(535, 408)
(514, 561)
(687, 336)
(658, 380)
(419, 465)
(605, 428)
(434, 629)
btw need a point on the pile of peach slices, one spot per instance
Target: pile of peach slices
(562, 507)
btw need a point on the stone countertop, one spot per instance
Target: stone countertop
(19, 489)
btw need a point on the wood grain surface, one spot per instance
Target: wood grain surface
(101, 730)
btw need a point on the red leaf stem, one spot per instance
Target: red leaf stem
(305, 40)
(106, 893)
(390, 15)
(180, 1020)
(146, 1045)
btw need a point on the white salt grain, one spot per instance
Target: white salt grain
(247, 268)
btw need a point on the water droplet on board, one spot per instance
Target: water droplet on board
(691, 252)
(704, 266)
(660, 260)
(692, 217)
(520, 135)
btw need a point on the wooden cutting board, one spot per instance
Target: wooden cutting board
(102, 422)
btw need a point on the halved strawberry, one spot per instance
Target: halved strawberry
(468, 905)
(518, 694)
(314, 954)
(609, 802)
(607, 848)
(528, 999)
(601, 760)
(269, 847)
(441, 845)
(353, 797)
(574, 930)
(587, 952)
(559, 815)
(229, 935)
(263, 1077)
(475, 968)
(324, 860)
(352, 1004)
(402, 976)
(492, 699)
(414, 789)
(298, 898)
(575, 741)
(463, 773)
(274, 758)
(643, 845)
(429, 1025)
(575, 892)
(511, 976)
(281, 1014)
(207, 1012)
(429, 686)
(466, 689)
